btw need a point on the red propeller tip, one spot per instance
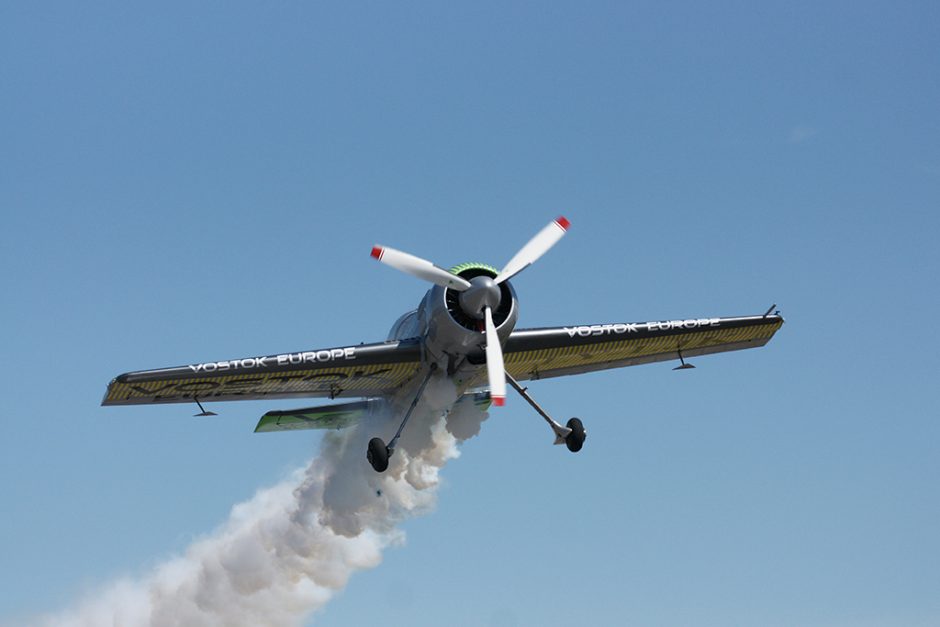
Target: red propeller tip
(499, 401)
(562, 221)
(377, 252)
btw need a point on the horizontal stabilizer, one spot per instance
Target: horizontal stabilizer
(480, 398)
(324, 417)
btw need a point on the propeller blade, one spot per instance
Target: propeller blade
(537, 246)
(495, 369)
(421, 268)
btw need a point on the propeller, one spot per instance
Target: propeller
(421, 268)
(537, 246)
(495, 369)
(481, 294)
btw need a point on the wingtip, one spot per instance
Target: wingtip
(563, 222)
(376, 252)
(499, 401)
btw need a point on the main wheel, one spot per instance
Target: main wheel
(377, 454)
(575, 440)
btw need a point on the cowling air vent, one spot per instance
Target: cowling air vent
(452, 297)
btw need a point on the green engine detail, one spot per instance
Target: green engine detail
(473, 265)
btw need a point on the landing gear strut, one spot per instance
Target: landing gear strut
(377, 453)
(572, 435)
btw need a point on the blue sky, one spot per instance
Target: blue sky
(183, 183)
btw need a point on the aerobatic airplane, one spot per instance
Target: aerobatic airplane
(463, 328)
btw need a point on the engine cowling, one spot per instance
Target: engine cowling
(451, 318)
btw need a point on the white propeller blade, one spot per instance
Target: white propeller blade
(537, 246)
(495, 370)
(421, 268)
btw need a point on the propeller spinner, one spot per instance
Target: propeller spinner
(481, 294)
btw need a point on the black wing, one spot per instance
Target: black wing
(363, 370)
(559, 351)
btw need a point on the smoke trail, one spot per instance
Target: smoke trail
(285, 552)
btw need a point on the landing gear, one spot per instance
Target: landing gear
(572, 435)
(377, 453)
(575, 440)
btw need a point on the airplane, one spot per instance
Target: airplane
(464, 328)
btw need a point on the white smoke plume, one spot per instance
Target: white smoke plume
(284, 553)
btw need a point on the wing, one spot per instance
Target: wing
(559, 351)
(363, 370)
